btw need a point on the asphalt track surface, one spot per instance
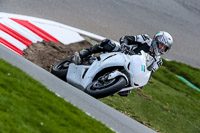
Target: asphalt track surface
(115, 18)
(100, 111)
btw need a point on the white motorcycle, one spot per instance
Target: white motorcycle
(106, 74)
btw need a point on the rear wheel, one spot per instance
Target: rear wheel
(103, 87)
(60, 69)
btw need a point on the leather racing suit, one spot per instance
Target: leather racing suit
(132, 43)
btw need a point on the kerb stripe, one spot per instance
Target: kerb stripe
(9, 45)
(43, 34)
(15, 34)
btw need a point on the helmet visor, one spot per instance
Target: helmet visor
(162, 48)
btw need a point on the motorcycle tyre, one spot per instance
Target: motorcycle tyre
(117, 86)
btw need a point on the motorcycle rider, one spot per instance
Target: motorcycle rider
(159, 45)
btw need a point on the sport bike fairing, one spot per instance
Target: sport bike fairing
(82, 75)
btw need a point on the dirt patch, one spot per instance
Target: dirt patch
(46, 54)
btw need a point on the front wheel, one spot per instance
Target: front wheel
(100, 89)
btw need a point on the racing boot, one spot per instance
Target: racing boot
(106, 45)
(76, 59)
(124, 93)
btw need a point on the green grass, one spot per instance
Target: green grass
(186, 71)
(166, 103)
(26, 106)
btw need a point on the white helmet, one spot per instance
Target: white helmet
(163, 38)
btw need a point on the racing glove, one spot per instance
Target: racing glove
(127, 49)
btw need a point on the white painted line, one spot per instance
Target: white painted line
(49, 22)
(12, 40)
(64, 35)
(21, 30)
(9, 48)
